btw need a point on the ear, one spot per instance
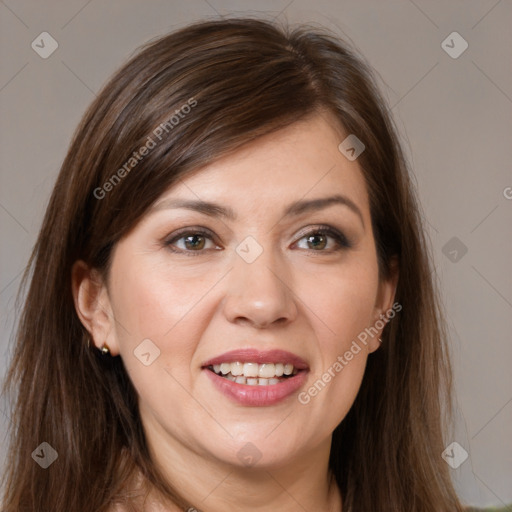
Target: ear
(383, 305)
(92, 304)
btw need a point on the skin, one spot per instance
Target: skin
(303, 297)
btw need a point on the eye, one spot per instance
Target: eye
(191, 240)
(318, 240)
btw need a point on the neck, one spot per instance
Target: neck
(304, 482)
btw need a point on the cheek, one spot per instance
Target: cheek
(150, 305)
(149, 297)
(151, 301)
(344, 300)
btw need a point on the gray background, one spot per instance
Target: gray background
(454, 115)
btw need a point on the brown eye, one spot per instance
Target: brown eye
(194, 242)
(319, 240)
(191, 241)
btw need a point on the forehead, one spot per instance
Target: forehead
(301, 161)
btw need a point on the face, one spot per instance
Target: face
(238, 323)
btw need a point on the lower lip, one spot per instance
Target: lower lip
(258, 396)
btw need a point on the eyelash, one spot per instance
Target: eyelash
(340, 239)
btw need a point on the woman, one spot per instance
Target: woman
(230, 304)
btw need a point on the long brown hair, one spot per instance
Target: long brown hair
(241, 78)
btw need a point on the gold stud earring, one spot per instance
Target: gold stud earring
(105, 350)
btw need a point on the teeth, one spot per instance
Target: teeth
(252, 381)
(253, 373)
(250, 369)
(266, 370)
(236, 369)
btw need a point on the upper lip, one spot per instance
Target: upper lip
(249, 355)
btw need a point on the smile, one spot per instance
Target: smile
(257, 378)
(254, 374)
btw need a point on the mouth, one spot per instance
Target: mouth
(254, 374)
(257, 378)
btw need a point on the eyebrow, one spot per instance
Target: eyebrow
(294, 209)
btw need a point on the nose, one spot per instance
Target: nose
(258, 293)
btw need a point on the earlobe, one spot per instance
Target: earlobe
(92, 305)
